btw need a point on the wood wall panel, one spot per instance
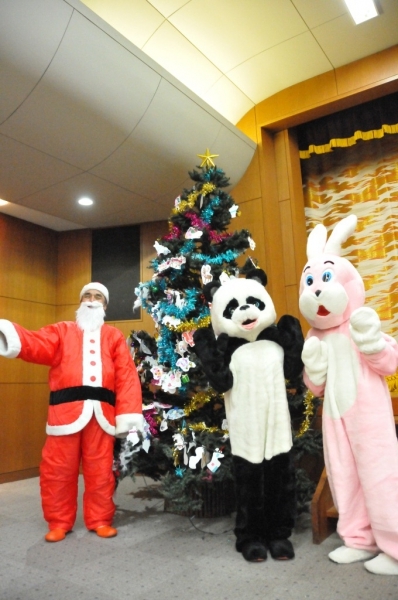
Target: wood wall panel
(28, 261)
(251, 218)
(286, 242)
(73, 267)
(249, 187)
(271, 223)
(371, 72)
(281, 166)
(23, 408)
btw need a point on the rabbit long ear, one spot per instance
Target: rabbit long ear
(340, 234)
(316, 241)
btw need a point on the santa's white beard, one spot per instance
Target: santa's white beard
(90, 315)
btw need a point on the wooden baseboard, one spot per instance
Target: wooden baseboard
(19, 475)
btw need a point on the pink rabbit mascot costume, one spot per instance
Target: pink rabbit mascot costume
(346, 357)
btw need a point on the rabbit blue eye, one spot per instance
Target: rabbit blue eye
(309, 280)
(327, 276)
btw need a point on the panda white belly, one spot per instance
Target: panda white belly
(256, 406)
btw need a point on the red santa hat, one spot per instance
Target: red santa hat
(95, 285)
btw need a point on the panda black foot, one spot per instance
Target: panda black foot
(254, 551)
(281, 549)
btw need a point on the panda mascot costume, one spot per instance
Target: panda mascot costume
(247, 356)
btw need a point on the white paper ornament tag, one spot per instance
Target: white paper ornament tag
(224, 278)
(205, 274)
(133, 436)
(213, 465)
(163, 425)
(193, 460)
(146, 444)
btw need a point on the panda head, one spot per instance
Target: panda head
(241, 307)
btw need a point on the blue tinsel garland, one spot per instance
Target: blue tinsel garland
(227, 256)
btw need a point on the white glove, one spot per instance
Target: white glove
(365, 330)
(315, 359)
(124, 423)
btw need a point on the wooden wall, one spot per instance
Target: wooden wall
(28, 289)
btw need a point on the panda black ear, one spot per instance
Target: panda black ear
(210, 289)
(258, 275)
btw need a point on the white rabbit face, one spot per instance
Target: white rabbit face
(330, 289)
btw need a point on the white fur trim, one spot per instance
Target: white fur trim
(102, 421)
(124, 423)
(10, 344)
(95, 285)
(92, 373)
(77, 425)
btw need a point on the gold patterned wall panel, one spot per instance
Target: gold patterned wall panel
(362, 180)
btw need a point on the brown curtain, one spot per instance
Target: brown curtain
(368, 121)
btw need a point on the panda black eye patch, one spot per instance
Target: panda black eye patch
(256, 301)
(230, 308)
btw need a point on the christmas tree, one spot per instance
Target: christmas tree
(185, 442)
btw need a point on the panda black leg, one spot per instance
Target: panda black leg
(254, 551)
(249, 523)
(280, 505)
(281, 549)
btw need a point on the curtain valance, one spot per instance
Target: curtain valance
(367, 121)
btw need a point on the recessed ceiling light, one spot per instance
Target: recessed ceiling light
(85, 201)
(362, 10)
(3, 202)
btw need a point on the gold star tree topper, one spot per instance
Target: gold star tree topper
(207, 158)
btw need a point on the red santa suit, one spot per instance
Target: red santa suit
(95, 395)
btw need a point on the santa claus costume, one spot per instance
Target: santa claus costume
(95, 395)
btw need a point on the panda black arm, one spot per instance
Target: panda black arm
(292, 341)
(214, 358)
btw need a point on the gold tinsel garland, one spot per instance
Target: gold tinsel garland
(192, 197)
(309, 413)
(189, 325)
(198, 400)
(392, 382)
(203, 427)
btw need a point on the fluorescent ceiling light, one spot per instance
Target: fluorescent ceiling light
(85, 201)
(3, 202)
(362, 10)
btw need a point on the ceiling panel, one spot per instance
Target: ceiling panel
(316, 12)
(61, 200)
(167, 138)
(92, 95)
(175, 53)
(38, 217)
(27, 46)
(232, 31)
(25, 170)
(168, 7)
(137, 20)
(228, 99)
(280, 67)
(367, 38)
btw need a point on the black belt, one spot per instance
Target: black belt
(82, 392)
